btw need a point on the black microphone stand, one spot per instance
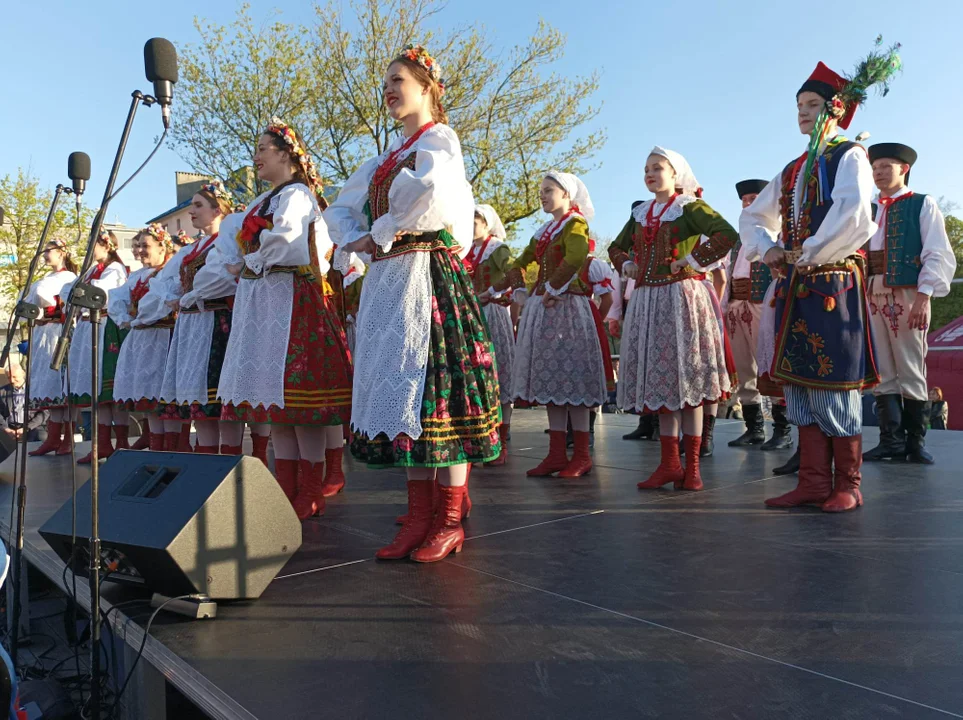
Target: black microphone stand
(88, 297)
(29, 313)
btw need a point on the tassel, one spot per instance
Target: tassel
(829, 304)
(802, 292)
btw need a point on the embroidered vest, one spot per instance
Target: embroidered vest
(903, 241)
(552, 258)
(190, 267)
(760, 276)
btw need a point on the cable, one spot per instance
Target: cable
(143, 165)
(140, 651)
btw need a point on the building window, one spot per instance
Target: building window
(178, 224)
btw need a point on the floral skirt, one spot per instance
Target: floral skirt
(194, 366)
(112, 337)
(460, 410)
(317, 365)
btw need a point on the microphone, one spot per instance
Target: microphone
(160, 63)
(78, 170)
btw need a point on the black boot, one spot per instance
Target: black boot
(791, 467)
(781, 435)
(892, 437)
(708, 425)
(592, 415)
(643, 431)
(755, 427)
(914, 422)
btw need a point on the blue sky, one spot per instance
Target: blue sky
(715, 82)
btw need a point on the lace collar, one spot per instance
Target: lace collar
(672, 213)
(493, 245)
(542, 228)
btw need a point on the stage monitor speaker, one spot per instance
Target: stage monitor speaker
(215, 525)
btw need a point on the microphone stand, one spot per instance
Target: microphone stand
(93, 299)
(29, 313)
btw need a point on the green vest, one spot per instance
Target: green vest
(903, 241)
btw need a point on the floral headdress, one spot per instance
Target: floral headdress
(182, 239)
(157, 232)
(217, 189)
(57, 244)
(420, 55)
(281, 129)
(107, 241)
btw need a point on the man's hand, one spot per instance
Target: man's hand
(235, 268)
(919, 316)
(775, 258)
(630, 270)
(365, 245)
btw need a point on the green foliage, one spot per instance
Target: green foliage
(946, 309)
(954, 229)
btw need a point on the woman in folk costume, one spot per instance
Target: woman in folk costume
(673, 355)
(107, 273)
(189, 387)
(425, 376)
(143, 355)
(287, 360)
(487, 261)
(46, 385)
(559, 359)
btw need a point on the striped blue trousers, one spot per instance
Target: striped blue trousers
(839, 413)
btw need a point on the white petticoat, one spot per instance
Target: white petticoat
(253, 370)
(393, 336)
(45, 384)
(503, 338)
(185, 380)
(672, 352)
(558, 358)
(80, 359)
(141, 364)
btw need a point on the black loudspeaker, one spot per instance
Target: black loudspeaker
(216, 525)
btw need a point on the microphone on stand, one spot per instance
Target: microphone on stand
(78, 170)
(160, 62)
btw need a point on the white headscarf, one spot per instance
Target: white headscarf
(495, 227)
(685, 178)
(576, 190)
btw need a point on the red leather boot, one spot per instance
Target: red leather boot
(310, 498)
(446, 534)
(260, 443)
(693, 478)
(143, 442)
(157, 441)
(333, 472)
(171, 441)
(54, 436)
(503, 455)
(231, 450)
(206, 449)
(121, 432)
(402, 519)
(184, 439)
(557, 459)
(581, 462)
(848, 458)
(417, 523)
(466, 499)
(67, 443)
(286, 473)
(670, 467)
(104, 447)
(815, 483)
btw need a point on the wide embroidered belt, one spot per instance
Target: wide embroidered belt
(209, 306)
(540, 290)
(404, 244)
(504, 301)
(660, 280)
(741, 289)
(165, 324)
(49, 321)
(877, 262)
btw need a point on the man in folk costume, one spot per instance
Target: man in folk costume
(823, 353)
(746, 292)
(910, 261)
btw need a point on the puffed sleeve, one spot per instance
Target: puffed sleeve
(113, 277)
(434, 196)
(285, 243)
(760, 223)
(601, 277)
(48, 289)
(848, 224)
(118, 302)
(937, 258)
(152, 307)
(213, 281)
(345, 218)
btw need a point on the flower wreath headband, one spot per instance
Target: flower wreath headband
(217, 189)
(418, 54)
(107, 241)
(281, 129)
(162, 236)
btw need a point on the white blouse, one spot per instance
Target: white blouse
(214, 281)
(45, 291)
(285, 243)
(118, 302)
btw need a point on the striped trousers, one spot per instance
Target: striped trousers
(838, 413)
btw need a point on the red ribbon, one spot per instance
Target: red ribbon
(887, 201)
(391, 162)
(198, 249)
(546, 237)
(471, 259)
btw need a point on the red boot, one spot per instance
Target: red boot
(54, 435)
(503, 455)
(446, 534)
(184, 439)
(557, 459)
(848, 458)
(67, 443)
(310, 497)
(418, 521)
(260, 443)
(402, 519)
(171, 440)
(104, 447)
(286, 472)
(156, 441)
(466, 499)
(143, 442)
(206, 449)
(333, 472)
(581, 462)
(670, 467)
(815, 483)
(693, 478)
(121, 432)
(231, 450)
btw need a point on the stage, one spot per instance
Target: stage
(588, 598)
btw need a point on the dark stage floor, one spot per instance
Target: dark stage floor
(588, 598)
